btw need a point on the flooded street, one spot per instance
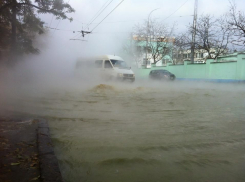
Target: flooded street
(136, 133)
(127, 91)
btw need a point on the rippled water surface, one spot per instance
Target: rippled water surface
(138, 133)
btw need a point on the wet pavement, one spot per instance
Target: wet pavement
(18, 150)
(26, 151)
(143, 132)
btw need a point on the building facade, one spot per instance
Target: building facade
(152, 50)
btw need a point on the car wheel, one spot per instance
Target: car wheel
(172, 77)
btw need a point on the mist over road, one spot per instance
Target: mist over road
(145, 131)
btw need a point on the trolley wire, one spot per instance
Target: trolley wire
(106, 16)
(99, 12)
(176, 10)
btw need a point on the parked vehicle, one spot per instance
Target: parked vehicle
(161, 75)
(108, 67)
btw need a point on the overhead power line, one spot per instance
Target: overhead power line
(106, 16)
(60, 29)
(51, 21)
(176, 10)
(128, 21)
(80, 40)
(99, 12)
(76, 36)
(59, 21)
(85, 32)
(138, 20)
(89, 32)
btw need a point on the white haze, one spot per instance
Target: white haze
(53, 68)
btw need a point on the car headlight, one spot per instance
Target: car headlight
(120, 75)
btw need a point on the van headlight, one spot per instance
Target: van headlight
(120, 75)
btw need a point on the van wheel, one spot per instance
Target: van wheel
(109, 78)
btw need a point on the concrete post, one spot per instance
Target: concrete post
(208, 67)
(240, 68)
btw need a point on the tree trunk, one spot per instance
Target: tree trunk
(13, 35)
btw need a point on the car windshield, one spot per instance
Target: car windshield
(119, 63)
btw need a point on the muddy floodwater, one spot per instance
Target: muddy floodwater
(143, 132)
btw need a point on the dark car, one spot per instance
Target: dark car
(161, 75)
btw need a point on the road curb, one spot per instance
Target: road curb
(49, 167)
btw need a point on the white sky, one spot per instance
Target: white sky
(108, 37)
(59, 54)
(131, 12)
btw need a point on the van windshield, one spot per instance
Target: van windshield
(119, 63)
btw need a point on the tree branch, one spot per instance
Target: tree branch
(5, 6)
(43, 9)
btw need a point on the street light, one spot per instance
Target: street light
(148, 33)
(194, 32)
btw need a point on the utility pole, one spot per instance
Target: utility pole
(194, 31)
(147, 35)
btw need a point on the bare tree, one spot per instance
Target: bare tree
(236, 22)
(181, 44)
(132, 50)
(156, 39)
(212, 35)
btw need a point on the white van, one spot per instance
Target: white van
(109, 67)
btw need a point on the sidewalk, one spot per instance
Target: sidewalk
(26, 152)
